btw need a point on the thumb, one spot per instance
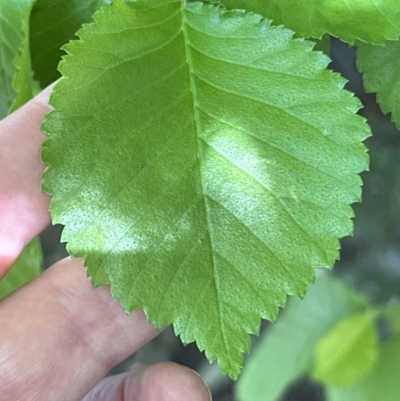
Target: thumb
(162, 382)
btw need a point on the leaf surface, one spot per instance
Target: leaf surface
(380, 66)
(371, 21)
(54, 23)
(25, 269)
(15, 72)
(347, 353)
(286, 350)
(200, 171)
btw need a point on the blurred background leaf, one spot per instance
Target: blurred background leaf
(382, 383)
(348, 352)
(25, 269)
(286, 351)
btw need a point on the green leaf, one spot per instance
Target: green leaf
(381, 66)
(392, 314)
(25, 269)
(323, 44)
(347, 353)
(382, 382)
(203, 162)
(286, 351)
(371, 21)
(54, 23)
(15, 72)
(24, 85)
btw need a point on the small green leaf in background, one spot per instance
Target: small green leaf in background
(203, 162)
(382, 382)
(286, 351)
(25, 269)
(347, 353)
(54, 23)
(380, 66)
(371, 21)
(15, 71)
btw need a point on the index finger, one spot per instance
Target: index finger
(23, 207)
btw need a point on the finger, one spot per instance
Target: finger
(23, 208)
(59, 336)
(162, 382)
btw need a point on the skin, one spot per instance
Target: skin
(59, 336)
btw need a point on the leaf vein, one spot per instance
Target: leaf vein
(285, 152)
(269, 190)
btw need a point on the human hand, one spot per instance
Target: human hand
(58, 335)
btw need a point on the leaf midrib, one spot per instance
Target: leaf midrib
(206, 209)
